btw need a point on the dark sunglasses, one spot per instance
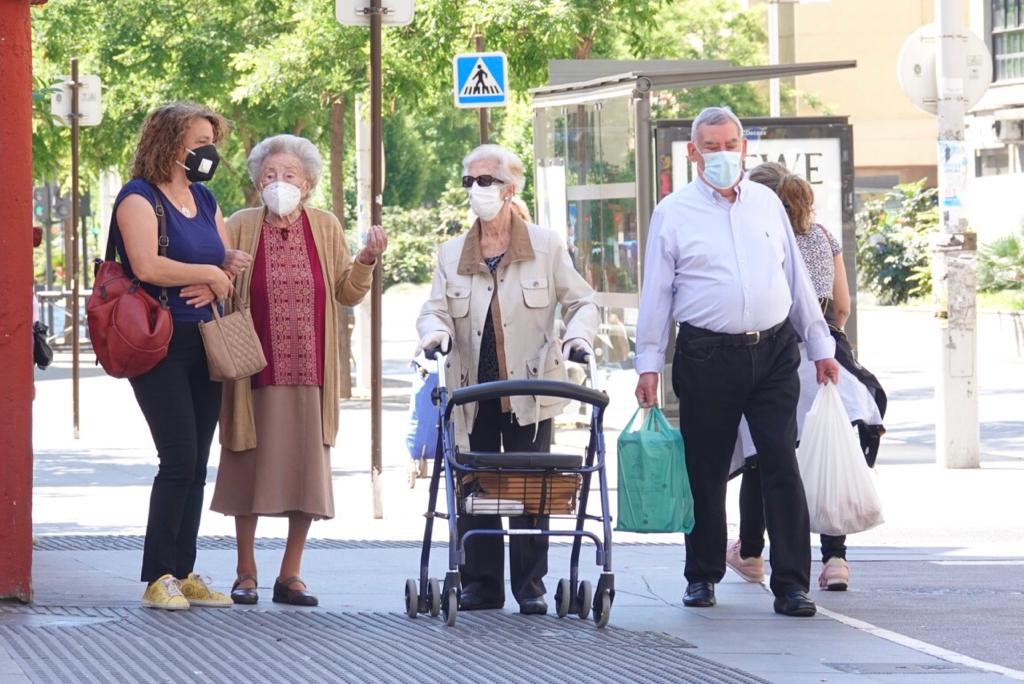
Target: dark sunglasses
(484, 181)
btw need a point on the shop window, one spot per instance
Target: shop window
(1007, 39)
(992, 162)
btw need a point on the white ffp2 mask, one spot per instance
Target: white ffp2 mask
(485, 202)
(281, 197)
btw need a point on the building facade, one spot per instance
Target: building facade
(995, 125)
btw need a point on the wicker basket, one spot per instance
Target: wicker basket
(541, 494)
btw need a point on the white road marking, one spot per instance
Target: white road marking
(922, 646)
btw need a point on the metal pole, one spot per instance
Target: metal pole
(73, 268)
(482, 110)
(15, 308)
(773, 55)
(84, 265)
(51, 189)
(956, 426)
(376, 186)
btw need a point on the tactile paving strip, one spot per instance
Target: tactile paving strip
(135, 645)
(110, 542)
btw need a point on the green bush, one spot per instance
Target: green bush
(1001, 264)
(893, 238)
(415, 234)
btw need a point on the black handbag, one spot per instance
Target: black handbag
(42, 354)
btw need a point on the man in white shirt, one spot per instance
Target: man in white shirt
(721, 263)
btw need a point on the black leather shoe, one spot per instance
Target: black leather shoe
(795, 603)
(247, 596)
(699, 595)
(470, 600)
(295, 597)
(533, 606)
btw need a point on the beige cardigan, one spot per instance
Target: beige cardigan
(533, 281)
(348, 279)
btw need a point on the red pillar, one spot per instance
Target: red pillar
(15, 303)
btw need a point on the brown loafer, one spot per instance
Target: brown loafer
(295, 597)
(244, 595)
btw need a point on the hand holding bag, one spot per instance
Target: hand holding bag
(654, 488)
(128, 328)
(233, 349)
(841, 494)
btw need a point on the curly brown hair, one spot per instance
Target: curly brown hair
(163, 135)
(796, 194)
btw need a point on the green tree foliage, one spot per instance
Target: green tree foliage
(274, 66)
(1001, 264)
(893, 235)
(709, 30)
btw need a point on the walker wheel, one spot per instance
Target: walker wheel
(562, 598)
(603, 609)
(412, 598)
(434, 594)
(450, 607)
(583, 599)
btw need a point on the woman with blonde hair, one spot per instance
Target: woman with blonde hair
(862, 395)
(176, 153)
(277, 428)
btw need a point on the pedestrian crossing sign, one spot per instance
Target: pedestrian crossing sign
(481, 79)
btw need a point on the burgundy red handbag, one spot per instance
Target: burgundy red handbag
(129, 329)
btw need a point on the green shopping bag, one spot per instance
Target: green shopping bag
(654, 489)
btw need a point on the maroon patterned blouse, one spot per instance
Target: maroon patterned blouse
(288, 299)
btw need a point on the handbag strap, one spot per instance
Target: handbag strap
(162, 240)
(236, 303)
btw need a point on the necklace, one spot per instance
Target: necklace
(179, 205)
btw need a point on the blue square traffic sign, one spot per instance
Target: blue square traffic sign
(481, 79)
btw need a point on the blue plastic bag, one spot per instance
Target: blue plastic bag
(421, 439)
(654, 488)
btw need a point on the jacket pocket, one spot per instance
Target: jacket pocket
(535, 293)
(458, 301)
(548, 365)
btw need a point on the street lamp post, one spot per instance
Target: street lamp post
(956, 428)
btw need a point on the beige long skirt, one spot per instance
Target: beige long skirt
(289, 471)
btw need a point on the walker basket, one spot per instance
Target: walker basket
(539, 493)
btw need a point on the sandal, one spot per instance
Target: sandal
(296, 597)
(245, 595)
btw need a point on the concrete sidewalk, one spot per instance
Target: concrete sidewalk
(937, 590)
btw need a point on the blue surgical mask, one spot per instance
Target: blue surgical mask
(722, 169)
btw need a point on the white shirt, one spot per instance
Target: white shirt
(728, 267)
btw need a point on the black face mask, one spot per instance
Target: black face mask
(200, 163)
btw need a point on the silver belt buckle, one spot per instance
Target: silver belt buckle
(753, 337)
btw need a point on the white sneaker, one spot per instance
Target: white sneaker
(835, 575)
(750, 569)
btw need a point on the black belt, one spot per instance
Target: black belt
(699, 337)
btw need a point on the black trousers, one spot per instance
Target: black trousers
(752, 524)
(484, 570)
(181, 406)
(715, 386)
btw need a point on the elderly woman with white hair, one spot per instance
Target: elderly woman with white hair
(493, 303)
(277, 428)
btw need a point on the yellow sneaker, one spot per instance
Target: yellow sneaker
(199, 593)
(164, 593)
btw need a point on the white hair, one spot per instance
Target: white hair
(510, 166)
(715, 116)
(302, 149)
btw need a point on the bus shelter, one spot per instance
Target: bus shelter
(603, 157)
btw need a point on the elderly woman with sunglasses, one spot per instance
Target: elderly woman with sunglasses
(495, 293)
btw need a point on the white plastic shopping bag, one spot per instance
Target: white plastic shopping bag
(841, 494)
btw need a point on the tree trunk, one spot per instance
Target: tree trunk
(338, 203)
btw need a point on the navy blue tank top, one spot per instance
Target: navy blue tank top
(190, 240)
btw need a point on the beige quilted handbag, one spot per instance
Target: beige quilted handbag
(233, 350)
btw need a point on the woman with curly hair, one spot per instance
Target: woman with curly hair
(193, 268)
